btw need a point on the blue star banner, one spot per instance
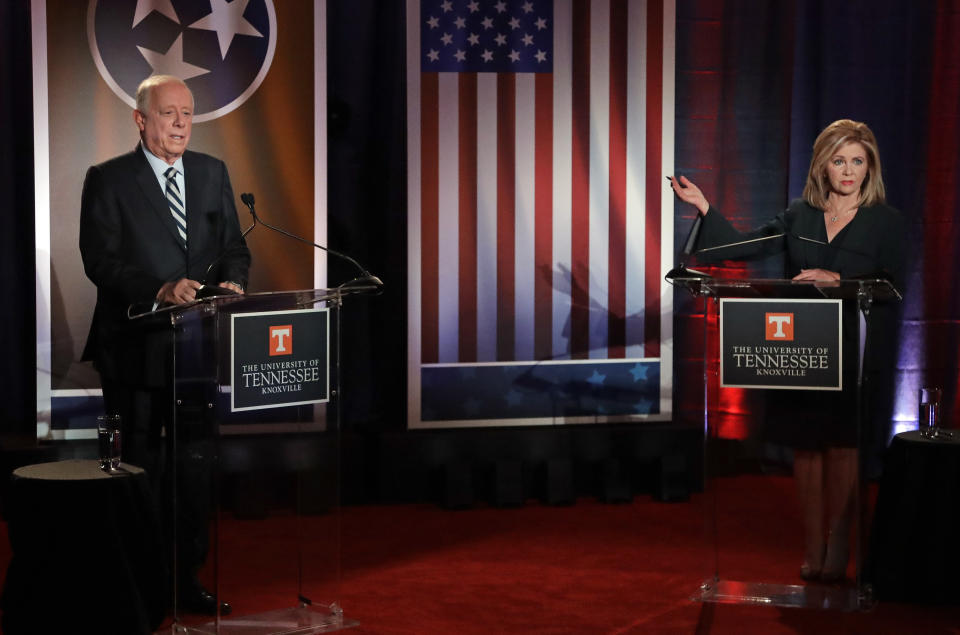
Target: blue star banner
(547, 389)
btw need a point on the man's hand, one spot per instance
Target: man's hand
(236, 288)
(180, 292)
(818, 275)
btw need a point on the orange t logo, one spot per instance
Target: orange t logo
(779, 326)
(281, 340)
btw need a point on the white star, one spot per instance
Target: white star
(541, 56)
(473, 6)
(460, 55)
(446, 6)
(487, 55)
(446, 38)
(228, 22)
(433, 22)
(514, 23)
(460, 23)
(500, 7)
(528, 7)
(433, 55)
(514, 56)
(501, 39)
(541, 24)
(146, 7)
(171, 62)
(528, 39)
(474, 39)
(487, 23)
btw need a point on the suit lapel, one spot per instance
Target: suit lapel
(147, 180)
(194, 179)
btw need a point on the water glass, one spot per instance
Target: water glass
(930, 408)
(108, 437)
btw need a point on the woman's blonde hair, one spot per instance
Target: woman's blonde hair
(834, 137)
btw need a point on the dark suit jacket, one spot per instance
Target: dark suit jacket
(130, 248)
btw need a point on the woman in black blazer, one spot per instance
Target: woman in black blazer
(843, 208)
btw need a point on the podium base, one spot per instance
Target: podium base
(812, 596)
(299, 620)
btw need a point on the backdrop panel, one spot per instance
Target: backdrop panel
(540, 224)
(258, 75)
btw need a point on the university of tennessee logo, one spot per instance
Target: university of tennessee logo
(779, 326)
(281, 340)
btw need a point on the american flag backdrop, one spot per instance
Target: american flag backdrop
(540, 222)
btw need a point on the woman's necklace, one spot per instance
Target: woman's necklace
(836, 216)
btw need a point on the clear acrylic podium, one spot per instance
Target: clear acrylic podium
(262, 481)
(745, 495)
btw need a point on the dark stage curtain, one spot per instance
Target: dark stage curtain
(756, 82)
(17, 317)
(367, 202)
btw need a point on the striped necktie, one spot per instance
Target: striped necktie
(175, 201)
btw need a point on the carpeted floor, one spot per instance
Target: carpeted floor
(586, 568)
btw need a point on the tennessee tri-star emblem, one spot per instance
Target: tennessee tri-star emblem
(221, 49)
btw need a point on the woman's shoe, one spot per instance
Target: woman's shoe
(838, 555)
(812, 566)
(809, 572)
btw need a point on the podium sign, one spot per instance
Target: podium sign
(786, 344)
(279, 358)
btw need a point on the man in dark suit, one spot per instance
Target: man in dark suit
(152, 222)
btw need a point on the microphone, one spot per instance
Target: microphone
(879, 274)
(744, 242)
(205, 291)
(681, 271)
(364, 282)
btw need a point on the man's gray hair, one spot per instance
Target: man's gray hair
(145, 89)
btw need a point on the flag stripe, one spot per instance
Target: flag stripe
(429, 209)
(525, 125)
(486, 217)
(617, 263)
(598, 293)
(562, 191)
(467, 206)
(448, 281)
(580, 180)
(636, 169)
(506, 217)
(543, 241)
(654, 176)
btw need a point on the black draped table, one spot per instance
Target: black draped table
(914, 554)
(87, 553)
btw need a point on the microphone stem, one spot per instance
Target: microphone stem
(356, 264)
(742, 242)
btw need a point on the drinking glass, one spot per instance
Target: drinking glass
(108, 437)
(929, 423)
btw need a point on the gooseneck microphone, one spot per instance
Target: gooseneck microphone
(237, 244)
(364, 282)
(681, 271)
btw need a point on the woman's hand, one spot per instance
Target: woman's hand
(688, 192)
(818, 275)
